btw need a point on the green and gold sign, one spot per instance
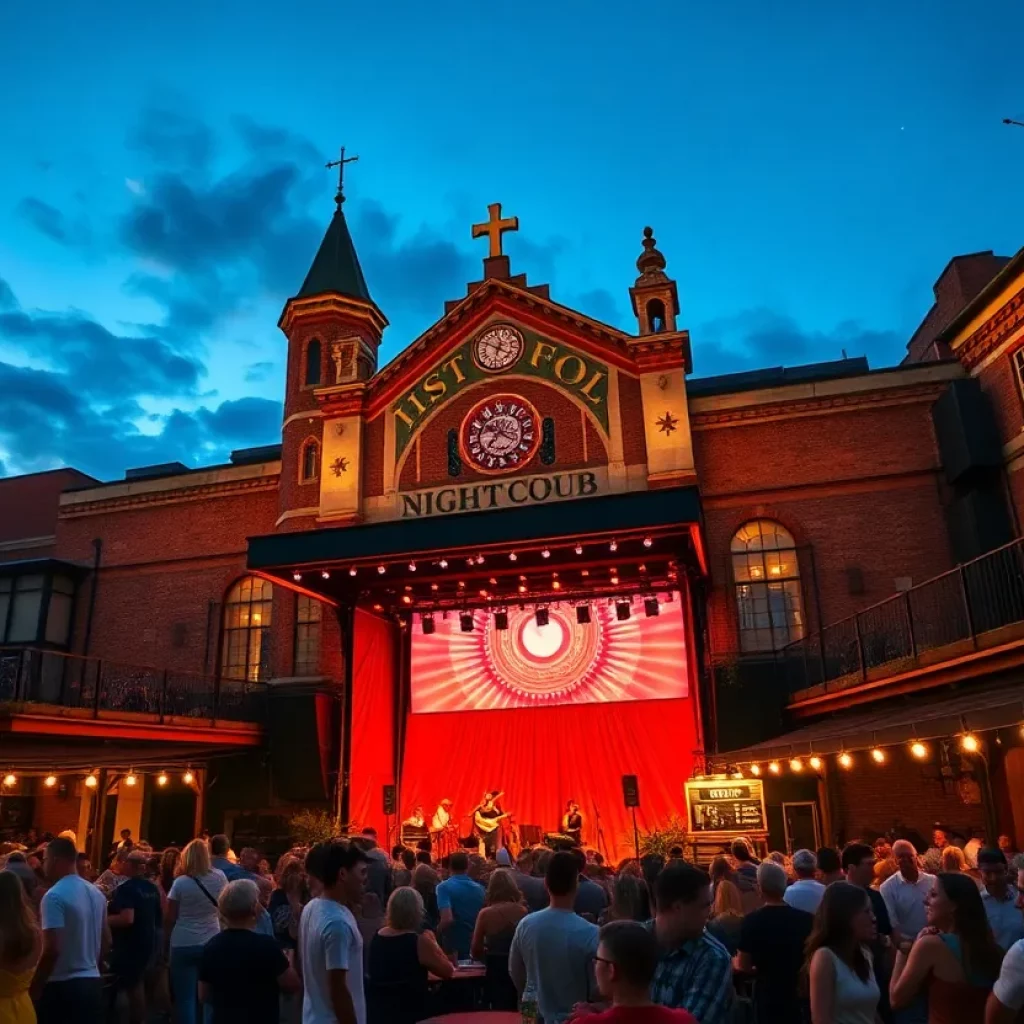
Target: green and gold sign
(504, 351)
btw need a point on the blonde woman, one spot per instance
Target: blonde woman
(953, 860)
(192, 920)
(401, 957)
(21, 943)
(727, 915)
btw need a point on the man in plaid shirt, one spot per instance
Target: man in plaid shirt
(694, 969)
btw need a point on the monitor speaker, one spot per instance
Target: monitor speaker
(530, 835)
(630, 791)
(390, 800)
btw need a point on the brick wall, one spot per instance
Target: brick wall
(631, 407)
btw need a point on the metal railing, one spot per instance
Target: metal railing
(950, 611)
(36, 676)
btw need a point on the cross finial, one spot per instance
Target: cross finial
(340, 164)
(494, 227)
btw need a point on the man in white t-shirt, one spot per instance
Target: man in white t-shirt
(806, 893)
(67, 986)
(330, 944)
(1007, 997)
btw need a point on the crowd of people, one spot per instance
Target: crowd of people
(343, 932)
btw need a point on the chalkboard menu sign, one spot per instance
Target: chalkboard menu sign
(729, 805)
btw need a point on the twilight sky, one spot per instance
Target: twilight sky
(808, 169)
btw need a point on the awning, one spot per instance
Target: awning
(978, 710)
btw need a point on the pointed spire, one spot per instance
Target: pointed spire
(336, 266)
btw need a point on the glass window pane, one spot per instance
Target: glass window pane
(25, 616)
(24, 583)
(5, 603)
(58, 619)
(62, 585)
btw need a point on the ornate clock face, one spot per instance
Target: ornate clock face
(498, 348)
(500, 433)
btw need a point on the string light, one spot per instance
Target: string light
(406, 599)
(10, 779)
(297, 576)
(648, 542)
(188, 778)
(919, 750)
(91, 781)
(412, 567)
(614, 580)
(325, 574)
(878, 755)
(443, 563)
(50, 781)
(969, 743)
(545, 553)
(773, 767)
(815, 762)
(161, 779)
(130, 779)
(512, 556)
(479, 559)
(578, 549)
(555, 585)
(796, 765)
(381, 569)
(614, 546)
(755, 769)
(352, 572)
(845, 760)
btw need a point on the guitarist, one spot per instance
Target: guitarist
(487, 818)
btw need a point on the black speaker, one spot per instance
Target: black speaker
(630, 791)
(296, 724)
(390, 800)
(966, 430)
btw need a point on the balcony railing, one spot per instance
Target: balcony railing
(35, 676)
(944, 617)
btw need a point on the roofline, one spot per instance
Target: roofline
(1014, 267)
(50, 472)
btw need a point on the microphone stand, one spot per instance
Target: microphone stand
(600, 833)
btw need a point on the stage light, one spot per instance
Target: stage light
(352, 572)
(614, 546)
(755, 769)
(583, 614)
(493, 582)
(412, 567)
(443, 563)
(462, 584)
(623, 609)
(188, 778)
(919, 750)
(542, 617)
(50, 781)
(325, 574)
(297, 576)
(614, 581)
(479, 559)
(470, 562)
(91, 781)
(501, 620)
(466, 622)
(878, 755)
(545, 553)
(641, 567)
(584, 572)
(484, 594)
(378, 607)
(427, 624)
(651, 606)
(522, 588)
(556, 585)
(815, 762)
(161, 779)
(406, 599)
(969, 743)
(130, 780)
(578, 549)
(773, 767)
(512, 556)
(10, 779)
(648, 542)
(433, 586)
(796, 765)
(381, 569)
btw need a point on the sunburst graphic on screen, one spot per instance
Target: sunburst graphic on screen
(562, 662)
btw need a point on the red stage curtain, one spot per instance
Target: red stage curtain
(541, 757)
(373, 718)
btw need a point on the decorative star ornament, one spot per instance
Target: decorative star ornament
(339, 466)
(667, 423)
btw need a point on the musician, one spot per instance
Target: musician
(442, 816)
(572, 822)
(487, 818)
(416, 819)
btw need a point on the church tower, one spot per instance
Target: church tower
(662, 354)
(334, 330)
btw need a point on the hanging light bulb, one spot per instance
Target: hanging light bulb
(845, 760)
(648, 542)
(297, 576)
(130, 779)
(325, 574)
(50, 781)
(969, 743)
(161, 779)
(512, 556)
(755, 769)
(10, 779)
(545, 553)
(91, 781)
(919, 750)
(796, 765)
(773, 767)
(443, 563)
(381, 569)
(412, 567)
(614, 546)
(878, 755)
(578, 549)
(352, 571)
(815, 762)
(188, 778)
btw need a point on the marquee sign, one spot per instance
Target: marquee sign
(520, 490)
(502, 349)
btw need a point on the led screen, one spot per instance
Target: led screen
(562, 662)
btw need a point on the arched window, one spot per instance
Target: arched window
(767, 576)
(245, 645)
(313, 354)
(308, 613)
(309, 467)
(656, 316)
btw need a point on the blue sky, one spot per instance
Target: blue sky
(808, 170)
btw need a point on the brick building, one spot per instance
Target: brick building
(271, 627)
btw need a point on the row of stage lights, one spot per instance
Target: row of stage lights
(471, 562)
(969, 744)
(92, 779)
(623, 610)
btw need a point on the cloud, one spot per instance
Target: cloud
(256, 373)
(762, 337)
(135, 186)
(172, 138)
(53, 223)
(7, 299)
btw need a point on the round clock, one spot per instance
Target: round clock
(498, 348)
(500, 433)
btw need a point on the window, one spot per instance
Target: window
(309, 468)
(307, 636)
(767, 577)
(36, 609)
(313, 356)
(656, 316)
(245, 645)
(1018, 370)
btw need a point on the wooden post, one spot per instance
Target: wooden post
(200, 788)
